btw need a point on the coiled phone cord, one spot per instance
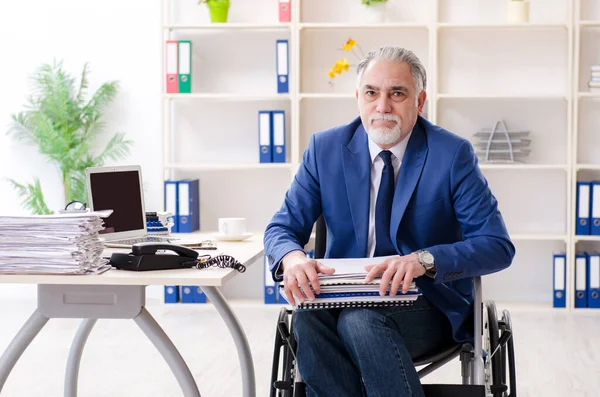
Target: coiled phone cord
(222, 261)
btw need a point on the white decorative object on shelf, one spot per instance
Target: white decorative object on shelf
(594, 81)
(518, 11)
(499, 145)
(375, 11)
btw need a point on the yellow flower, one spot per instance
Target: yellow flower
(331, 73)
(342, 65)
(349, 44)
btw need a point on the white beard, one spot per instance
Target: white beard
(385, 136)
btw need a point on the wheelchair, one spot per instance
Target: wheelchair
(487, 369)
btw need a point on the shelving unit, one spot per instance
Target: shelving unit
(480, 69)
(586, 111)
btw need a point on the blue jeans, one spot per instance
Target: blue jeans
(356, 352)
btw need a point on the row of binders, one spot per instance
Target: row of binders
(588, 208)
(182, 199)
(178, 66)
(271, 136)
(184, 294)
(587, 280)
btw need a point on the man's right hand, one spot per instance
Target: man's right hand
(300, 274)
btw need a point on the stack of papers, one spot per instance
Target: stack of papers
(52, 244)
(347, 287)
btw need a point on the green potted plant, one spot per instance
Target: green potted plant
(63, 124)
(218, 9)
(375, 10)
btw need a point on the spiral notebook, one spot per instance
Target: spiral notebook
(346, 288)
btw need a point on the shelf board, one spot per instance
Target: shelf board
(378, 26)
(231, 26)
(501, 96)
(588, 94)
(521, 167)
(587, 167)
(586, 238)
(232, 97)
(589, 23)
(450, 25)
(350, 95)
(227, 166)
(538, 237)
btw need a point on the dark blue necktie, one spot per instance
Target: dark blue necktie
(383, 208)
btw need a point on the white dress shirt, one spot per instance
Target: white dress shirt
(376, 170)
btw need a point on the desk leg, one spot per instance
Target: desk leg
(17, 346)
(74, 361)
(239, 337)
(169, 352)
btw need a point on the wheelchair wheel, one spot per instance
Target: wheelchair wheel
(283, 381)
(493, 368)
(509, 348)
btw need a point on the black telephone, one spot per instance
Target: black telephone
(145, 256)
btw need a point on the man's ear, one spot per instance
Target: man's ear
(421, 100)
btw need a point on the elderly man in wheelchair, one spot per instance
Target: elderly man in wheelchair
(389, 183)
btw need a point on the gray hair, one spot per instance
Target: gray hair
(397, 54)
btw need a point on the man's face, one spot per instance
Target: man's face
(388, 102)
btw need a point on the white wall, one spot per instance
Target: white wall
(121, 41)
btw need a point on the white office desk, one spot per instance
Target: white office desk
(121, 295)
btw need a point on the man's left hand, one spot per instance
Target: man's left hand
(399, 270)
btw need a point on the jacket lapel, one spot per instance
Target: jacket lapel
(410, 171)
(357, 172)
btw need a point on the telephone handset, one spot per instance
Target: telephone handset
(145, 256)
(150, 248)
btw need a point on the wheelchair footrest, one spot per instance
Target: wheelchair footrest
(454, 390)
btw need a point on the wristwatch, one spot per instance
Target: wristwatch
(428, 261)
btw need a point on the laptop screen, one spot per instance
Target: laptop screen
(119, 191)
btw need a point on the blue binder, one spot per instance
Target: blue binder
(265, 136)
(595, 208)
(171, 293)
(199, 295)
(271, 290)
(581, 280)
(187, 293)
(189, 205)
(559, 280)
(278, 139)
(283, 85)
(583, 208)
(593, 280)
(172, 203)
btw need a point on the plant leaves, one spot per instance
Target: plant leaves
(62, 123)
(33, 198)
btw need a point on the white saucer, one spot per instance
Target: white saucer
(223, 237)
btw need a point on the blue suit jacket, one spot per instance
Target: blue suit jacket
(442, 203)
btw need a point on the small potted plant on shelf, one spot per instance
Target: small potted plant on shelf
(375, 10)
(218, 9)
(518, 11)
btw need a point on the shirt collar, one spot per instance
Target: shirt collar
(397, 150)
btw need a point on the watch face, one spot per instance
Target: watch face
(427, 258)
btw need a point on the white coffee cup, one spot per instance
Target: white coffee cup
(232, 226)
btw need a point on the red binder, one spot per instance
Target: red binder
(171, 66)
(285, 11)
